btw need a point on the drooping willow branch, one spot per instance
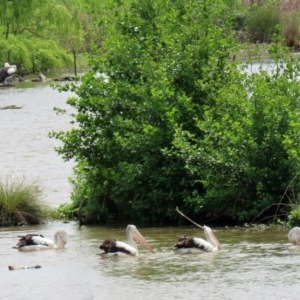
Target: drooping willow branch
(183, 215)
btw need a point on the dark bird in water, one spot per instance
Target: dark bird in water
(37, 241)
(190, 244)
(7, 72)
(114, 247)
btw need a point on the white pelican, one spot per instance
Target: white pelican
(190, 244)
(6, 72)
(294, 236)
(114, 247)
(31, 241)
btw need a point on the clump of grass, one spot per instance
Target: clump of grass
(20, 203)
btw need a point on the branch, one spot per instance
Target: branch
(183, 215)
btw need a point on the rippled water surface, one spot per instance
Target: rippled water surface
(252, 265)
(26, 150)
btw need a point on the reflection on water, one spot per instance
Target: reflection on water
(26, 150)
(252, 265)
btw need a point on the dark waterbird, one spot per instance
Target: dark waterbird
(7, 72)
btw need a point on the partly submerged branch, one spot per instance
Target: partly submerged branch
(183, 215)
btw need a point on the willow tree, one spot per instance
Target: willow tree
(150, 78)
(15, 14)
(35, 32)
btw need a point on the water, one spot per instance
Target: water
(252, 265)
(26, 150)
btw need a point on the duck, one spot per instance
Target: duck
(32, 241)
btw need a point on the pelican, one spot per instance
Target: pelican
(190, 244)
(294, 236)
(31, 241)
(114, 247)
(6, 72)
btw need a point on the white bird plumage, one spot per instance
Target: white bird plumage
(31, 241)
(7, 72)
(129, 248)
(190, 244)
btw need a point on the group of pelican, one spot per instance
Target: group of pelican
(185, 244)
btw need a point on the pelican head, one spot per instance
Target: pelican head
(294, 236)
(60, 239)
(211, 238)
(133, 235)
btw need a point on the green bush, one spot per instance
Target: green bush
(294, 217)
(262, 24)
(65, 211)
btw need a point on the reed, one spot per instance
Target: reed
(20, 203)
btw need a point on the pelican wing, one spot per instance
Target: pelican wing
(3, 74)
(193, 242)
(33, 239)
(115, 247)
(40, 240)
(203, 244)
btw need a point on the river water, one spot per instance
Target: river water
(252, 264)
(26, 151)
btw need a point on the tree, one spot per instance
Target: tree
(248, 159)
(35, 33)
(163, 62)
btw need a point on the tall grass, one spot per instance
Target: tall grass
(20, 203)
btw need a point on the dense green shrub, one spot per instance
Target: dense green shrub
(294, 217)
(174, 122)
(157, 56)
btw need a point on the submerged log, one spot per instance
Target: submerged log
(13, 268)
(66, 78)
(10, 107)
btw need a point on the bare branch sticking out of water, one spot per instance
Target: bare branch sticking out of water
(13, 268)
(183, 215)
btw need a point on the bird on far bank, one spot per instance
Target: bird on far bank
(7, 72)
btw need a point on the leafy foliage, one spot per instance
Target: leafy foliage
(155, 79)
(38, 36)
(165, 118)
(248, 156)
